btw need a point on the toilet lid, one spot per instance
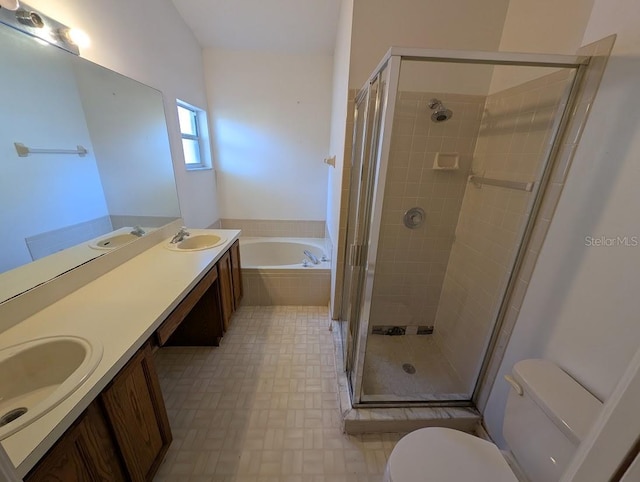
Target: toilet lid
(438, 454)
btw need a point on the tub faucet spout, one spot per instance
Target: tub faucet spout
(311, 256)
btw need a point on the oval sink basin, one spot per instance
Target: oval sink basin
(38, 375)
(113, 242)
(197, 242)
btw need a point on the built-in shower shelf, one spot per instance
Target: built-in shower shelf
(446, 161)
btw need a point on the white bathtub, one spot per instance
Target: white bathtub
(281, 253)
(273, 272)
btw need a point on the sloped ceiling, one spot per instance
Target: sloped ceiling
(293, 26)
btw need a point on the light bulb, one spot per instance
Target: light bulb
(80, 38)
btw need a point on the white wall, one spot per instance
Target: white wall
(543, 26)
(581, 306)
(42, 109)
(339, 105)
(130, 141)
(270, 117)
(148, 41)
(597, 330)
(461, 24)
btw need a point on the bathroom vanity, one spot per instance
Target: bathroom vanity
(114, 426)
(205, 313)
(122, 435)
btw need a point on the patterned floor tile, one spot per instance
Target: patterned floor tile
(263, 405)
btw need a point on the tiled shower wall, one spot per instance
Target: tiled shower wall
(411, 263)
(513, 141)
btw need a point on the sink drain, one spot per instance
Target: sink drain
(12, 415)
(409, 368)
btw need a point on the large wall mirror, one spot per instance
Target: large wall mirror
(59, 208)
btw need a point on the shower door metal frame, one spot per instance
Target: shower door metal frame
(392, 61)
(350, 308)
(380, 149)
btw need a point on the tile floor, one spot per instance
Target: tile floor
(385, 379)
(263, 406)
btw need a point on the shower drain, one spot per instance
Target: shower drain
(409, 368)
(12, 415)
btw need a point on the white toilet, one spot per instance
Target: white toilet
(547, 415)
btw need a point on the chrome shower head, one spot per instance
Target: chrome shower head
(441, 113)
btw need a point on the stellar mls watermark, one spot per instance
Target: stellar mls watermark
(612, 241)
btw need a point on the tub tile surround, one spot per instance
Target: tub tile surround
(587, 90)
(102, 306)
(269, 287)
(276, 228)
(263, 406)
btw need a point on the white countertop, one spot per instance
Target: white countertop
(121, 309)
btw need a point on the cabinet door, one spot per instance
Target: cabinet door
(226, 288)
(86, 452)
(236, 274)
(64, 463)
(99, 447)
(135, 408)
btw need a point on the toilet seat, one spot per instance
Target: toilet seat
(438, 454)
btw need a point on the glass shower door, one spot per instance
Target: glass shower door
(365, 136)
(465, 146)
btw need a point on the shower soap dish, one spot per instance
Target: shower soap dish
(446, 161)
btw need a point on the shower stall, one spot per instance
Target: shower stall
(451, 152)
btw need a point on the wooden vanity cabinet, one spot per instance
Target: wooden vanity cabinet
(86, 452)
(226, 289)
(205, 313)
(230, 273)
(122, 436)
(197, 320)
(135, 408)
(236, 274)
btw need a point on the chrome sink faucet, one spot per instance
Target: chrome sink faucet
(311, 256)
(180, 235)
(137, 231)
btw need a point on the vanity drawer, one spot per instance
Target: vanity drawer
(185, 307)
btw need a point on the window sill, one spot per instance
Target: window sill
(199, 168)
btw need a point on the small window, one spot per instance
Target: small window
(193, 128)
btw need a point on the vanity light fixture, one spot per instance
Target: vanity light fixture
(32, 22)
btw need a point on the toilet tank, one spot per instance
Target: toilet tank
(544, 426)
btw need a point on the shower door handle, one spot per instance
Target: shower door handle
(355, 255)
